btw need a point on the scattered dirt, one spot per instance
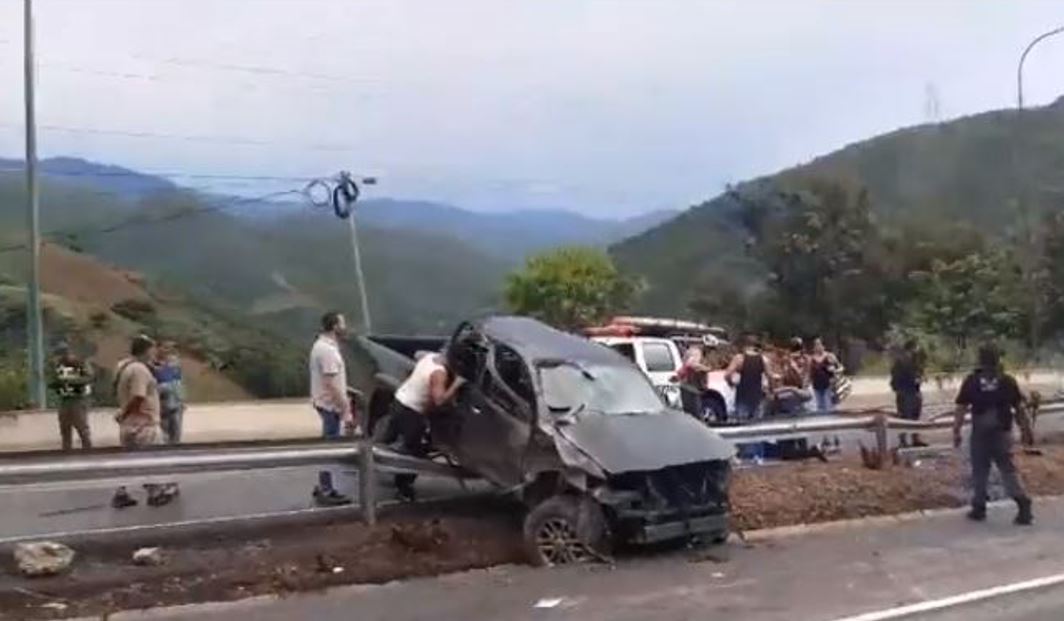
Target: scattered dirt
(416, 541)
(433, 539)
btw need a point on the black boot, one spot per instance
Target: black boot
(977, 513)
(1024, 517)
(122, 499)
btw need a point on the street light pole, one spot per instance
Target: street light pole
(1023, 58)
(34, 325)
(1034, 240)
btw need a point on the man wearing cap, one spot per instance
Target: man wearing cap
(72, 383)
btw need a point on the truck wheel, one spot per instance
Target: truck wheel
(565, 530)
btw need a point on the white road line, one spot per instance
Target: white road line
(957, 600)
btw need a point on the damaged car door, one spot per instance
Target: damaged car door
(496, 417)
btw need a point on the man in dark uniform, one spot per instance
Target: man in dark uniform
(72, 382)
(906, 375)
(994, 399)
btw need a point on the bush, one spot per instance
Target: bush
(99, 320)
(140, 311)
(13, 388)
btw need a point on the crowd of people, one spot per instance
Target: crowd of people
(149, 391)
(787, 380)
(73, 378)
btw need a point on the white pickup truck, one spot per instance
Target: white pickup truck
(660, 359)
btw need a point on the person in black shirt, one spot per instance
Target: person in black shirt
(748, 373)
(994, 399)
(906, 375)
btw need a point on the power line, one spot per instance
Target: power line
(140, 220)
(252, 69)
(165, 175)
(237, 140)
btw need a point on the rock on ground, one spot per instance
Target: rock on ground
(148, 556)
(43, 558)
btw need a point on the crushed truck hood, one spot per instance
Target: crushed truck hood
(643, 442)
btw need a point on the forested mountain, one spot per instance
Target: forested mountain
(972, 173)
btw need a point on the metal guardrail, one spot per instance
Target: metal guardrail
(142, 464)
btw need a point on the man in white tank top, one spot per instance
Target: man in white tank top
(425, 390)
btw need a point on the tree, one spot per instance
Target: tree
(972, 298)
(569, 288)
(821, 247)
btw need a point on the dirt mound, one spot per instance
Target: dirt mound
(87, 289)
(84, 279)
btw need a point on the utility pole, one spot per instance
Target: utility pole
(1034, 239)
(34, 325)
(367, 324)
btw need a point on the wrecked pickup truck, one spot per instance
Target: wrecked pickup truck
(575, 430)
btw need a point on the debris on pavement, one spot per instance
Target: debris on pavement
(56, 606)
(420, 537)
(148, 557)
(551, 602)
(43, 558)
(328, 565)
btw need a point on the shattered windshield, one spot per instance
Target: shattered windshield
(606, 389)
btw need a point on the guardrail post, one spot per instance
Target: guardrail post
(367, 481)
(881, 428)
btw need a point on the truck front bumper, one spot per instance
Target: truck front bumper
(643, 531)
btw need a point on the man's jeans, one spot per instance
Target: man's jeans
(172, 423)
(825, 400)
(330, 423)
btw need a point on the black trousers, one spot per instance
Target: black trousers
(411, 429)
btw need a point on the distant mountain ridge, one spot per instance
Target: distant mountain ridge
(508, 235)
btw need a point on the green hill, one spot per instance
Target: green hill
(294, 266)
(969, 171)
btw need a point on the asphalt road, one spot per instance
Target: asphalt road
(853, 574)
(62, 507)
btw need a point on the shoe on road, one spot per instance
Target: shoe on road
(122, 499)
(977, 514)
(330, 498)
(160, 494)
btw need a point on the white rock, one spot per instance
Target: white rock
(43, 558)
(148, 556)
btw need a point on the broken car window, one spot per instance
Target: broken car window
(604, 389)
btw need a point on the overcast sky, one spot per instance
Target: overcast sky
(607, 107)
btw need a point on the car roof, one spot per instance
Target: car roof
(538, 341)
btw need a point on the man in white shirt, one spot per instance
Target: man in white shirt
(428, 388)
(328, 395)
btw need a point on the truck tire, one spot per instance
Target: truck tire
(565, 530)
